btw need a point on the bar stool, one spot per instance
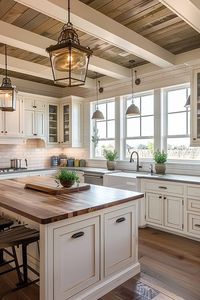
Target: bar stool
(15, 237)
(5, 223)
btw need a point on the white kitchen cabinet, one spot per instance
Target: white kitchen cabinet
(164, 204)
(154, 208)
(72, 125)
(173, 212)
(120, 239)
(72, 243)
(193, 211)
(11, 124)
(34, 118)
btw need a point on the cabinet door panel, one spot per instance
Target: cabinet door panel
(193, 224)
(120, 239)
(39, 123)
(29, 122)
(13, 122)
(72, 273)
(154, 208)
(173, 216)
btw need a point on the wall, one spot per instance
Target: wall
(36, 153)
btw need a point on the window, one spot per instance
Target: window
(178, 124)
(105, 128)
(140, 129)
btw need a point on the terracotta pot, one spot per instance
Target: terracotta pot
(160, 168)
(111, 165)
(66, 184)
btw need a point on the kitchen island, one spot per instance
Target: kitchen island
(88, 239)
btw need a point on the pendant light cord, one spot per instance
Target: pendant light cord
(97, 92)
(69, 20)
(6, 61)
(132, 85)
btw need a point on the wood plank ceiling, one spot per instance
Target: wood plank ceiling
(152, 20)
(149, 18)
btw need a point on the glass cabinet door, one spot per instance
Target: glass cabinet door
(53, 123)
(66, 123)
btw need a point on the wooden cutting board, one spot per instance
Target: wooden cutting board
(52, 188)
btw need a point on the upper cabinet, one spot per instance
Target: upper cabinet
(71, 127)
(195, 109)
(34, 118)
(53, 123)
(11, 124)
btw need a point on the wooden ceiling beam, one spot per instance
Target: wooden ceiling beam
(97, 24)
(187, 10)
(29, 41)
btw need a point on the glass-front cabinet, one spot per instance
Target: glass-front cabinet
(66, 123)
(53, 136)
(195, 109)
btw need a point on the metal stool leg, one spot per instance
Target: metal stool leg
(17, 266)
(1, 257)
(25, 268)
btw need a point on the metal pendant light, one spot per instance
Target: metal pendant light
(97, 115)
(69, 60)
(8, 93)
(132, 110)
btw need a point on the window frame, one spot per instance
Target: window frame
(105, 120)
(137, 95)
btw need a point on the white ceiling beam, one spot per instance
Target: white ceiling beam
(29, 41)
(97, 24)
(187, 10)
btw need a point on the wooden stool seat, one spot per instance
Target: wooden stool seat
(5, 223)
(14, 237)
(17, 236)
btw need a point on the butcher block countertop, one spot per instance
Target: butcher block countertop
(44, 208)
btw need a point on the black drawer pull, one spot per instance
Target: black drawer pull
(160, 197)
(120, 220)
(163, 187)
(77, 235)
(197, 225)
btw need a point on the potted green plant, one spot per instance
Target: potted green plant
(66, 178)
(160, 158)
(111, 156)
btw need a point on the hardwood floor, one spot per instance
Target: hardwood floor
(170, 268)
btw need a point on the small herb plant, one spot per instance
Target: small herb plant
(160, 157)
(110, 155)
(65, 175)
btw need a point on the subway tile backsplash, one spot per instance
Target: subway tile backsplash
(37, 154)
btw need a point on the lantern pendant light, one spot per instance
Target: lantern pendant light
(8, 93)
(97, 115)
(132, 110)
(69, 60)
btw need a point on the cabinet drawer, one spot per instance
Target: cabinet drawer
(164, 187)
(76, 257)
(120, 239)
(193, 191)
(194, 224)
(193, 205)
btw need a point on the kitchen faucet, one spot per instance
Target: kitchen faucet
(137, 161)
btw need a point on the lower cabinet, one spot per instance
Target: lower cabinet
(76, 257)
(120, 239)
(94, 252)
(164, 210)
(154, 208)
(173, 212)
